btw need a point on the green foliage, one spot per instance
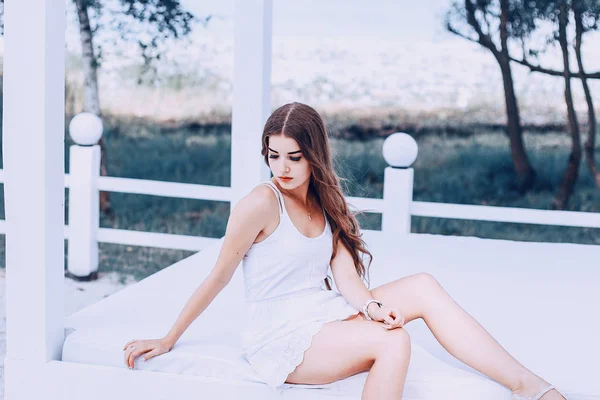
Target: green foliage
(524, 18)
(168, 16)
(148, 23)
(465, 15)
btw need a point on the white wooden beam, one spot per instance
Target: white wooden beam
(397, 199)
(251, 93)
(33, 135)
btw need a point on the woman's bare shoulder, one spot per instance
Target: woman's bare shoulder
(249, 216)
(261, 200)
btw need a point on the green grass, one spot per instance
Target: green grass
(452, 169)
(477, 170)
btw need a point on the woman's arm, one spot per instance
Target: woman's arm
(347, 280)
(248, 218)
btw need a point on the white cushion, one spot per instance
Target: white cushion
(536, 299)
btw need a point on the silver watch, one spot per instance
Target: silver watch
(366, 305)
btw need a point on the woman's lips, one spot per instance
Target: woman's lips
(286, 179)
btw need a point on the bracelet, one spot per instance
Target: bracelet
(365, 306)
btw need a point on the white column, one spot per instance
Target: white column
(33, 135)
(251, 93)
(84, 197)
(400, 151)
(84, 212)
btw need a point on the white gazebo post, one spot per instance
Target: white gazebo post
(251, 93)
(84, 198)
(33, 136)
(400, 152)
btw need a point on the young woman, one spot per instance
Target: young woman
(289, 231)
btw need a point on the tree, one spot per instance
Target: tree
(585, 15)
(492, 24)
(570, 176)
(159, 20)
(167, 16)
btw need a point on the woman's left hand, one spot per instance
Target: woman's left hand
(392, 318)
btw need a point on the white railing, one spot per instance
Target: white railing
(396, 206)
(165, 189)
(418, 209)
(487, 213)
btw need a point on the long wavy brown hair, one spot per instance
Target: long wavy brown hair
(305, 125)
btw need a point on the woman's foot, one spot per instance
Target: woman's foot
(534, 385)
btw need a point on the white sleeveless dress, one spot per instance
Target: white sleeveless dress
(287, 302)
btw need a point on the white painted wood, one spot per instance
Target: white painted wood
(57, 380)
(506, 214)
(374, 205)
(397, 199)
(153, 239)
(33, 135)
(400, 150)
(165, 189)
(86, 129)
(487, 213)
(365, 204)
(150, 239)
(251, 94)
(84, 213)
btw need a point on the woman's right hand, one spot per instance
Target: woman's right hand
(150, 348)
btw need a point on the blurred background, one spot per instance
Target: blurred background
(159, 73)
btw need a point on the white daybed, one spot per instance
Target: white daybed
(539, 300)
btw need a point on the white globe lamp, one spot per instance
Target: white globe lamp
(400, 150)
(86, 129)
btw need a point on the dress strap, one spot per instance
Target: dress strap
(277, 194)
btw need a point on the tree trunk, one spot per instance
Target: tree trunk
(523, 168)
(570, 176)
(90, 86)
(522, 165)
(589, 146)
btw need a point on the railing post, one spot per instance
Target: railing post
(84, 198)
(251, 93)
(399, 151)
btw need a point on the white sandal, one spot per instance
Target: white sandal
(537, 396)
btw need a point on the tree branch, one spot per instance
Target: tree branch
(484, 39)
(552, 72)
(462, 35)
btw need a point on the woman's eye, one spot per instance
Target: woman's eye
(296, 159)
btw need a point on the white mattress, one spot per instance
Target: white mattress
(532, 297)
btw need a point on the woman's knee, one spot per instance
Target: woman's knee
(426, 280)
(394, 343)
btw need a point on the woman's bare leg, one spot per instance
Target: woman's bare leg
(421, 296)
(345, 348)
(388, 374)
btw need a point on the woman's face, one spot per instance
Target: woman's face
(287, 161)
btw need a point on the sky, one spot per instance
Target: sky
(394, 19)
